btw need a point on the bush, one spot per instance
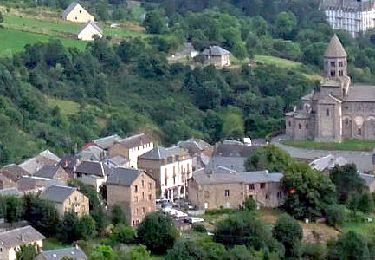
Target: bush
(336, 215)
(198, 227)
(122, 234)
(250, 204)
(313, 251)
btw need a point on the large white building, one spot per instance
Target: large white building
(353, 16)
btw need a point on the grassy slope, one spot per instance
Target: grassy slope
(347, 145)
(67, 107)
(278, 62)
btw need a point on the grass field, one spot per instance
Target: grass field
(67, 107)
(278, 62)
(347, 145)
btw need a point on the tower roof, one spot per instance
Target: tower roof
(335, 49)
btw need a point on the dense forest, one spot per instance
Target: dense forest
(129, 86)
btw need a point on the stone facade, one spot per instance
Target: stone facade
(338, 109)
(217, 56)
(134, 191)
(230, 189)
(353, 16)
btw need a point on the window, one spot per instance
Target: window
(75, 18)
(143, 183)
(327, 112)
(333, 73)
(359, 131)
(341, 64)
(267, 196)
(346, 122)
(144, 210)
(136, 188)
(251, 187)
(206, 194)
(333, 64)
(289, 123)
(262, 185)
(226, 193)
(279, 194)
(143, 195)
(299, 126)
(165, 177)
(150, 185)
(149, 197)
(341, 73)
(174, 179)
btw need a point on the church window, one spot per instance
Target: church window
(346, 122)
(359, 131)
(333, 73)
(341, 64)
(327, 112)
(299, 126)
(341, 73)
(332, 64)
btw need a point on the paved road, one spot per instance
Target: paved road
(361, 159)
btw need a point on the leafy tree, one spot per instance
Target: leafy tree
(350, 245)
(154, 22)
(157, 232)
(118, 215)
(335, 215)
(185, 249)
(122, 234)
(289, 233)
(285, 24)
(250, 204)
(26, 252)
(136, 253)
(102, 252)
(238, 252)
(68, 229)
(347, 180)
(13, 209)
(243, 229)
(269, 158)
(308, 192)
(86, 227)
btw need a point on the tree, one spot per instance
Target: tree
(244, 229)
(102, 252)
(350, 245)
(347, 180)
(269, 158)
(122, 234)
(26, 252)
(13, 209)
(335, 215)
(250, 204)
(308, 191)
(136, 253)
(157, 232)
(186, 249)
(285, 24)
(86, 227)
(68, 229)
(289, 233)
(238, 252)
(154, 22)
(366, 203)
(118, 215)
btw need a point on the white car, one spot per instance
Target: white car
(193, 220)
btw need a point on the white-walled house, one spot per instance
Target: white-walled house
(171, 168)
(10, 241)
(90, 31)
(77, 14)
(131, 148)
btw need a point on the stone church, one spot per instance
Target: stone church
(338, 109)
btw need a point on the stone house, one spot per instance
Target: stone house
(66, 199)
(75, 253)
(134, 191)
(13, 172)
(199, 150)
(10, 241)
(107, 142)
(217, 56)
(32, 184)
(171, 168)
(132, 147)
(36, 163)
(76, 13)
(223, 188)
(337, 110)
(89, 31)
(53, 172)
(92, 173)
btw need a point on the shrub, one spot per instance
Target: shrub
(122, 234)
(250, 204)
(198, 227)
(313, 251)
(336, 215)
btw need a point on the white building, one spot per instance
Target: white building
(353, 16)
(171, 168)
(10, 241)
(131, 148)
(89, 31)
(77, 14)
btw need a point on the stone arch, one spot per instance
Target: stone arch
(347, 127)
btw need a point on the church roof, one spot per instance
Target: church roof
(335, 49)
(361, 93)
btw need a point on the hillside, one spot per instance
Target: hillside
(59, 93)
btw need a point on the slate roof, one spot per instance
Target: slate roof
(107, 142)
(160, 153)
(44, 158)
(119, 160)
(361, 93)
(123, 176)
(47, 172)
(57, 193)
(92, 152)
(94, 25)
(195, 146)
(233, 163)
(368, 178)
(31, 183)
(93, 168)
(69, 9)
(226, 176)
(234, 150)
(13, 172)
(135, 140)
(327, 162)
(215, 51)
(70, 252)
(335, 49)
(20, 236)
